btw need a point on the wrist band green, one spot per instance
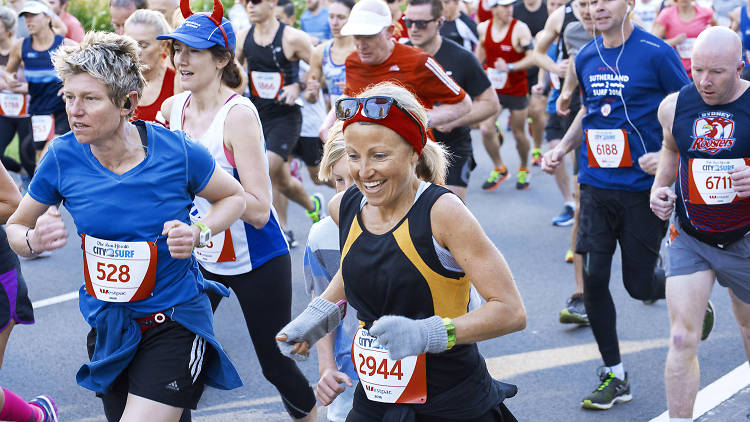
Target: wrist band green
(451, 330)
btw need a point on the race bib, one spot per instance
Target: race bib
(608, 148)
(43, 127)
(685, 48)
(709, 181)
(266, 84)
(497, 78)
(385, 380)
(13, 104)
(219, 249)
(118, 271)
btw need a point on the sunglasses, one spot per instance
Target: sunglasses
(375, 108)
(256, 2)
(421, 24)
(390, 1)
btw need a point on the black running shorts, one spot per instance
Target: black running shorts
(167, 368)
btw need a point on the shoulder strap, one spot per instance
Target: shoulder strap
(175, 115)
(348, 209)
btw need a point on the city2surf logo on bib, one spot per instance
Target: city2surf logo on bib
(713, 132)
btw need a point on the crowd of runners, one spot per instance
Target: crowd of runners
(194, 129)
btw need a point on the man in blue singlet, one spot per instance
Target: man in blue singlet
(623, 74)
(706, 131)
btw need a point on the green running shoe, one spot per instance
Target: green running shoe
(612, 390)
(496, 177)
(317, 213)
(523, 179)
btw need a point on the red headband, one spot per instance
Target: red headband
(398, 121)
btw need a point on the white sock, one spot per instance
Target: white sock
(571, 204)
(680, 419)
(618, 370)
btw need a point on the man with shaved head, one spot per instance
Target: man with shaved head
(706, 129)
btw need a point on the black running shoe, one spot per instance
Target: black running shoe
(574, 311)
(612, 390)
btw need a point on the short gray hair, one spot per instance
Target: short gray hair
(111, 58)
(8, 18)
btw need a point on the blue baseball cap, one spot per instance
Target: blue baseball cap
(200, 31)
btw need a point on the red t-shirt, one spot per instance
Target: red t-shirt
(410, 67)
(149, 112)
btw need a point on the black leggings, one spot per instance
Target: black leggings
(265, 295)
(8, 128)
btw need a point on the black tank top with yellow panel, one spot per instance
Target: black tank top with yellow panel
(400, 273)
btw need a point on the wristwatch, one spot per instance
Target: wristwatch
(451, 330)
(205, 235)
(510, 67)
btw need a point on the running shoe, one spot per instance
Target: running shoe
(294, 168)
(574, 311)
(569, 256)
(48, 407)
(523, 180)
(708, 321)
(536, 155)
(612, 390)
(290, 240)
(317, 213)
(496, 177)
(566, 217)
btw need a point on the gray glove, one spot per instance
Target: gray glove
(409, 337)
(318, 319)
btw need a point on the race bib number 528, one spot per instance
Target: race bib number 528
(117, 271)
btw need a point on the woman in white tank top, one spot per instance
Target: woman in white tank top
(251, 257)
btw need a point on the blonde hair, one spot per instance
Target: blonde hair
(333, 151)
(150, 18)
(432, 165)
(106, 56)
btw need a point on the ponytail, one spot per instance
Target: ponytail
(432, 165)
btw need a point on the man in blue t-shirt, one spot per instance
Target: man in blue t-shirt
(315, 22)
(624, 73)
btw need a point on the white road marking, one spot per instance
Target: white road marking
(55, 300)
(717, 392)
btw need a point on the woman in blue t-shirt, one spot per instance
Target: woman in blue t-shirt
(129, 188)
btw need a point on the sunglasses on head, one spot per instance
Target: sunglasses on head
(421, 24)
(375, 108)
(256, 2)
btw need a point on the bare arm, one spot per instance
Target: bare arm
(242, 135)
(43, 233)
(568, 90)
(545, 39)
(456, 229)
(662, 197)
(573, 138)
(482, 29)
(734, 19)
(314, 75)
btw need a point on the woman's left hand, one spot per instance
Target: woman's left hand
(180, 239)
(410, 337)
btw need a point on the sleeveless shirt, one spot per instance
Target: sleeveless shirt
(252, 247)
(517, 85)
(43, 80)
(704, 131)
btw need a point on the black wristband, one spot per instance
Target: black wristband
(33, 252)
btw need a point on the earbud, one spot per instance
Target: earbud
(127, 102)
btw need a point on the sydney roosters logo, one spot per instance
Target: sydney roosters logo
(713, 132)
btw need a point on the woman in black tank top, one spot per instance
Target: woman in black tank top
(410, 252)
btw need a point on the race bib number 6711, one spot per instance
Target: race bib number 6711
(710, 182)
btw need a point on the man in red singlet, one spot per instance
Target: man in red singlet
(506, 50)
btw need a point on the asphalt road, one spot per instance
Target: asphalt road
(554, 365)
